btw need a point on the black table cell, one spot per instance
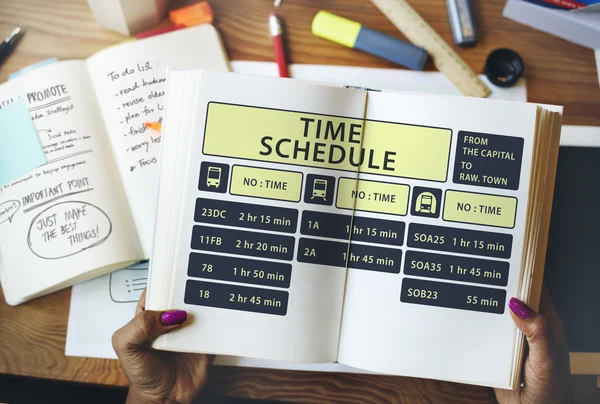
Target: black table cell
(236, 297)
(453, 296)
(475, 270)
(460, 240)
(241, 242)
(375, 258)
(247, 215)
(322, 252)
(360, 256)
(370, 230)
(242, 270)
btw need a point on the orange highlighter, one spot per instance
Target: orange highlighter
(154, 126)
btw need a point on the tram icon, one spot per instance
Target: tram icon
(319, 189)
(426, 202)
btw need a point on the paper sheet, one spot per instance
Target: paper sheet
(378, 79)
(101, 306)
(21, 150)
(95, 316)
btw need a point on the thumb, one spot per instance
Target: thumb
(536, 329)
(145, 327)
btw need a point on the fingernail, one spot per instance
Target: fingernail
(520, 309)
(173, 317)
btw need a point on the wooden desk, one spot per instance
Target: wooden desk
(32, 336)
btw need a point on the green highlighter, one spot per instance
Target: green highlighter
(354, 35)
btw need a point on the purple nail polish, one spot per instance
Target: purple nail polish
(520, 309)
(173, 317)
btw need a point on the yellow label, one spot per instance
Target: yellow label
(420, 152)
(373, 196)
(489, 210)
(311, 140)
(265, 183)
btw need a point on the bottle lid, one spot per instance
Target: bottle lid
(504, 67)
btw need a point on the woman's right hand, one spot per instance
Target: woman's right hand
(158, 376)
(546, 373)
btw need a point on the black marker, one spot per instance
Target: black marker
(462, 20)
(7, 46)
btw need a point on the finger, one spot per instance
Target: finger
(548, 309)
(141, 306)
(145, 328)
(536, 329)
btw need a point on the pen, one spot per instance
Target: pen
(277, 34)
(462, 21)
(569, 4)
(9, 43)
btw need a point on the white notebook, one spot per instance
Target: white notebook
(90, 209)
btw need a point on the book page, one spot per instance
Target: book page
(259, 170)
(453, 249)
(70, 216)
(130, 83)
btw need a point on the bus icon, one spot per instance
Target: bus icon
(213, 179)
(319, 189)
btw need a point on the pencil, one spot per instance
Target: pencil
(277, 34)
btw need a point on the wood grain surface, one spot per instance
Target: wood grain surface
(32, 336)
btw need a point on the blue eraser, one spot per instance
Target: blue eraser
(390, 48)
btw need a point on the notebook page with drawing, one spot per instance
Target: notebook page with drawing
(93, 202)
(264, 243)
(73, 206)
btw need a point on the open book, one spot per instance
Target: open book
(304, 223)
(90, 209)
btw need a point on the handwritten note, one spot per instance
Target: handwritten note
(130, 81)
(139, 95)
(68, 228)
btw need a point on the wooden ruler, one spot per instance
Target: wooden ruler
(419, 32)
